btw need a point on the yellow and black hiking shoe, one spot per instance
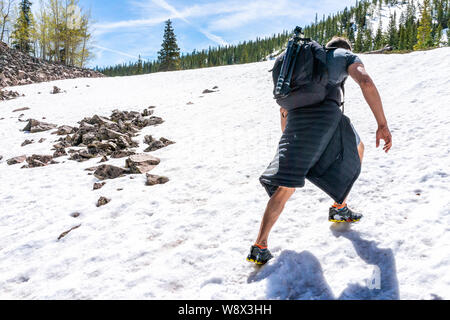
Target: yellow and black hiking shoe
(259, 256)
(341, 214)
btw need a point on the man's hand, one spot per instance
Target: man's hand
(383, 133)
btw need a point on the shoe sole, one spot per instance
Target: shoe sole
(256, 262)
(344, 221)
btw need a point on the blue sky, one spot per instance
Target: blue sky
(125, 29)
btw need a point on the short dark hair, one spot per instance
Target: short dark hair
(340, 42)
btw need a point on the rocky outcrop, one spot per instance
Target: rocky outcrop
(17, 68)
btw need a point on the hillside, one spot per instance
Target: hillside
(17, 68)
(188, 238)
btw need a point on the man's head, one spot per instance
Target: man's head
(340, 42)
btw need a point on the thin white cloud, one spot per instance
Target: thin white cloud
(109, 27)
(115, 51)
(252, 11)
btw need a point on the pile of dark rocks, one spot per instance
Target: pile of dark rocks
(105, 138)
(18, 68)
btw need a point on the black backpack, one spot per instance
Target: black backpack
(300, 74)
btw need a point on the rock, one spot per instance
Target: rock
(190, 103)
(215, 88)
(42, 140)
(76, 157)
(166, 142)
(155, 145)
(1, 157)
(55, 90)
(88, 138)
(34, 126)
(62, 235)
(208, 91)
(75, 214)
(98, 186)
(16, 160)
(104, 159)
(148, 139)
(101, 121)
(21, 75)
(103, 201)
(27, 142)
(147, 112)
(158, 144)
(21, 109)
(63, 130)
(122, 154)
(153, 121)
(141, 163)
(154, 180)
(8, 95)
(60, 152)
(86, 155)
(106, 171)
(39, 161)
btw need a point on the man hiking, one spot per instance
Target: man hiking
(320, 144)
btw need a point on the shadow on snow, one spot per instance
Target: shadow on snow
(299, 276)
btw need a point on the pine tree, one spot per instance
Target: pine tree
(379, 39)
(424, 38)
(359, 41)
(392, 35)
(368, 41)
(24, 28)
(169, 56)
(438, 36)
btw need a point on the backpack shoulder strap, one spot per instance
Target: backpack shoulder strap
(343, 95)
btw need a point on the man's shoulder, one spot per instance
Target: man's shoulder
(344, 56)
(340, 52)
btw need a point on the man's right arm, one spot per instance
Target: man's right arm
(372, 96)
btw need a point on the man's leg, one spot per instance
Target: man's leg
(339, 212)
(273, 211)
(361, 149)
